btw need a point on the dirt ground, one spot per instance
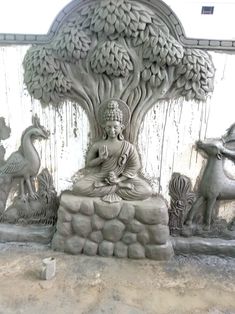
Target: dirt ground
(97, 285)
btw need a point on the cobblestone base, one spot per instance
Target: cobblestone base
(127, 229)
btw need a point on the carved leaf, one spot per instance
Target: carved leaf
(137, 41)
(134, 26)
(86, 23)
(111, 8)
(99, 25)
(4, 133)
(27, 77)
(126, 6)
(141, 26)
(134, 16)
(37, 93)
(146, 74)
(46, 97)
(119, 12)
(144, 17)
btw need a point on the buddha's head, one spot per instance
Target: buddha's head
(113, 121)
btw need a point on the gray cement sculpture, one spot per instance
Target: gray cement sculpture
(112, 162)
(113, 211)
(182, 198)
(39, 211)
(215, 184)
(31, 205)
(116, 49)
(25, 162)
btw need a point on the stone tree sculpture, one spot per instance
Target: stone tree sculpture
(116, 49)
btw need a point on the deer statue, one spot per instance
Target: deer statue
(215, 184)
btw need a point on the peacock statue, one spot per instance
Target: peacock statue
(24, 163)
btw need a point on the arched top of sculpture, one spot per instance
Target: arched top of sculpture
(161, 9)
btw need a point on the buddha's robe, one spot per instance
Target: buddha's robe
(124, 162)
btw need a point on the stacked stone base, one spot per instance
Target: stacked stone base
(127, 229)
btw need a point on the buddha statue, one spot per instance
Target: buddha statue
(113, 163)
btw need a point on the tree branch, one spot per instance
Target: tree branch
(77, 88)
(135, 77)
(148, 99)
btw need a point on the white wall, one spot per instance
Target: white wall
(167, 137)
(220, 25)
(29, 16)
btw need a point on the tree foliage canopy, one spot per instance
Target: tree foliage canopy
(116, 48)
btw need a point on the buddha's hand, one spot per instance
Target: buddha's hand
(103, 152)
(99, 184)
(112, 178)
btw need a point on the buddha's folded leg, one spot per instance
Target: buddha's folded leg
(90, 186)
(140, 190)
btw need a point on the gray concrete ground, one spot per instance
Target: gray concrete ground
(97, 285)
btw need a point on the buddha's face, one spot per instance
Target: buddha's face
(113, 128)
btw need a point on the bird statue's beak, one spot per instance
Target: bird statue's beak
(44, 133)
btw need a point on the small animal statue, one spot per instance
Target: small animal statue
(215, 184)
(25, 162)
(182, 197)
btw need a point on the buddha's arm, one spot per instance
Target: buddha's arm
(95, 162)
(92, 159)
(132, 165)
(122, 178)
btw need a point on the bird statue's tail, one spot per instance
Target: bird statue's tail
(5, 186)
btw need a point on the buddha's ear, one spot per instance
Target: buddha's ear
(123, 127)
(104, 135)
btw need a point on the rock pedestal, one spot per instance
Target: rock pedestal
(91, 226)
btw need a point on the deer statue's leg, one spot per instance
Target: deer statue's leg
(208, 213)
(193, 210)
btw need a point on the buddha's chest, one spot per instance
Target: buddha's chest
(114, 149)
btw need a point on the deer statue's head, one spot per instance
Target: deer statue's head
(212, 147)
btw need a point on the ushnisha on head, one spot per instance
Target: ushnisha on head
(113, 117)
(113, 113)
